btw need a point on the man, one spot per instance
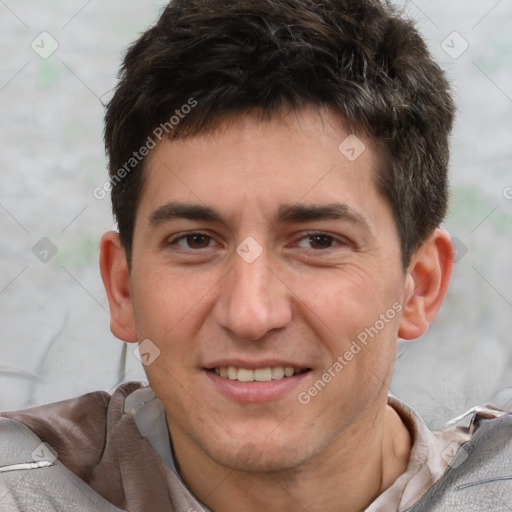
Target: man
(278, 175)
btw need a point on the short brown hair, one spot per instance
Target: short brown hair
(358, 57)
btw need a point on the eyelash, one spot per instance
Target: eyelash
(184, 236)
(334, 239)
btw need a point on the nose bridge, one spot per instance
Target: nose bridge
(252, 282)
(253, 301)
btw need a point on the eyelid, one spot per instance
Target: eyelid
(338, 240)
(342, 240)
(177, 237)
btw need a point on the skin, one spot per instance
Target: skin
(304, 300)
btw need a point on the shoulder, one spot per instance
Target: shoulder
(32, 478)
(75, 428)
(46, 451)
(479, 477)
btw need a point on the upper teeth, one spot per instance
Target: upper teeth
(260, 374)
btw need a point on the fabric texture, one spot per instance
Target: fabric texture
(113, 453)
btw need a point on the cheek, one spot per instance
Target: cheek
(171, 308)
(164, 299)
(357, 317)
(360, 368)
(345, 300)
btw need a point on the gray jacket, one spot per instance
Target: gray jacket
(86, 454)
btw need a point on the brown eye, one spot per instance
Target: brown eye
(191, 241)
(198, 241)
(320, 241)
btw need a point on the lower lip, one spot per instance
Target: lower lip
(256, 391)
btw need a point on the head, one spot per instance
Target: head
(278, 176)
(207, 60)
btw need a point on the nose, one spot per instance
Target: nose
(253, 300)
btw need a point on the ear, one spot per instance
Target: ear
(116, 279)
(426, 284)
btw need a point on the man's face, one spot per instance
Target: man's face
(264, 246)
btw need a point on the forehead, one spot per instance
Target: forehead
(250, 164)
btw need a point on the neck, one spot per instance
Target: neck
(345, 477)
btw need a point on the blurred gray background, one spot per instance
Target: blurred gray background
(59, 59)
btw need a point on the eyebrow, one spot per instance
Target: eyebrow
(286, 214)
(172, 211)
(333, 211)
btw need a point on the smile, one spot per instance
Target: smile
(258, 374)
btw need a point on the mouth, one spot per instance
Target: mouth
(258, 374)
(256, 382)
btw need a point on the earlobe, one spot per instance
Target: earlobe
(426, 284)
(116, 279)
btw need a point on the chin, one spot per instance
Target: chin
(260, 456)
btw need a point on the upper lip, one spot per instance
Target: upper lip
(254, 365)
